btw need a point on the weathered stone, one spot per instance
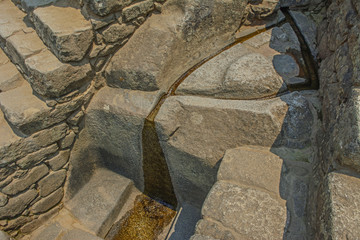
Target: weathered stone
(28, 114)
(116, 32)
(59, 160)
(48, 202)
(21, 46)
(286, 66)
(53, 231)
(260, 10)
(18, 185)
(253, 166)
(3, 199)
(39, 221)
(11, 20)
(179, 31)
(17, 204)
(68, 140)
(77, 234)
(4, 236)
(51, 182)
(214, 229)
(16, 223)
(307, 28)
(341, 211)
(104, 7)
(114, 121)
(250, 212)
(284, 39)
(137, 9)
(98, 203)
(252, 76)
(10, 77)
(75, 118)
(51, 78)
(195, 132)
(34, 158)
(64, 30)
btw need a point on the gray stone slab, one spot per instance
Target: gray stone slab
(98, 203)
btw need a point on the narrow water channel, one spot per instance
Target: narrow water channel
(155, 209)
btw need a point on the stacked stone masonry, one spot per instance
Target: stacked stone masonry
(229, 89)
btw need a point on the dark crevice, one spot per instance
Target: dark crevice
(311, 67)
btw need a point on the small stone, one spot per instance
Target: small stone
(51, 103)
(17, 204)
(34, 158)
(48, 202)
(51, 182)
(3, 199)
(286, 66)
(15, 224)
(104, 7)
(59, 160)
(18, 185)
(158, 7)
(3, 223)
(68, 140)
(116, 32)
(75, 118)
(137, 9)
(295, 81)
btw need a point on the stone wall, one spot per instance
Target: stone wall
(338, 172)
(60, 48)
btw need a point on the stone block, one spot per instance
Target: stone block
(99, 202)
(48, 202)
(58, 161)
(250, 212)
(342, 201)
(18, 185)
(10, 77)
(17, 204)
(137, 9)
(253, 166)
(104, 7)
(11, 20)
(68, 140)
(64, 30)
(117, 32)
(51, 78)
(51, 182)
(34, 158)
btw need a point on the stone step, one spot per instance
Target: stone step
(64, 30)
(246, 201)
(98, 203)
(10, 77)
(47, 75)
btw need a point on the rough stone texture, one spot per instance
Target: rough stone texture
(18, 185)
(234, 74)
(286, 66)
(18, 147)
(104, 7)
(116, 32)
(10, 77)
(137, 9)
(34, 158)
(252, 166)
(248, 211)
(11, 20)
(195, 132)
(64, 30)
(99, 202)
(114, 121)
(51, 182)
(48, 202)
(51, 78)
(17, 204)
(185, 29)
(68, 140)
(59, 160)
(341, 215)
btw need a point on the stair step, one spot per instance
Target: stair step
(27, 113)
(10, 77)
(99, 202)
(64, 30)
(47, 75)
(7, 135)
